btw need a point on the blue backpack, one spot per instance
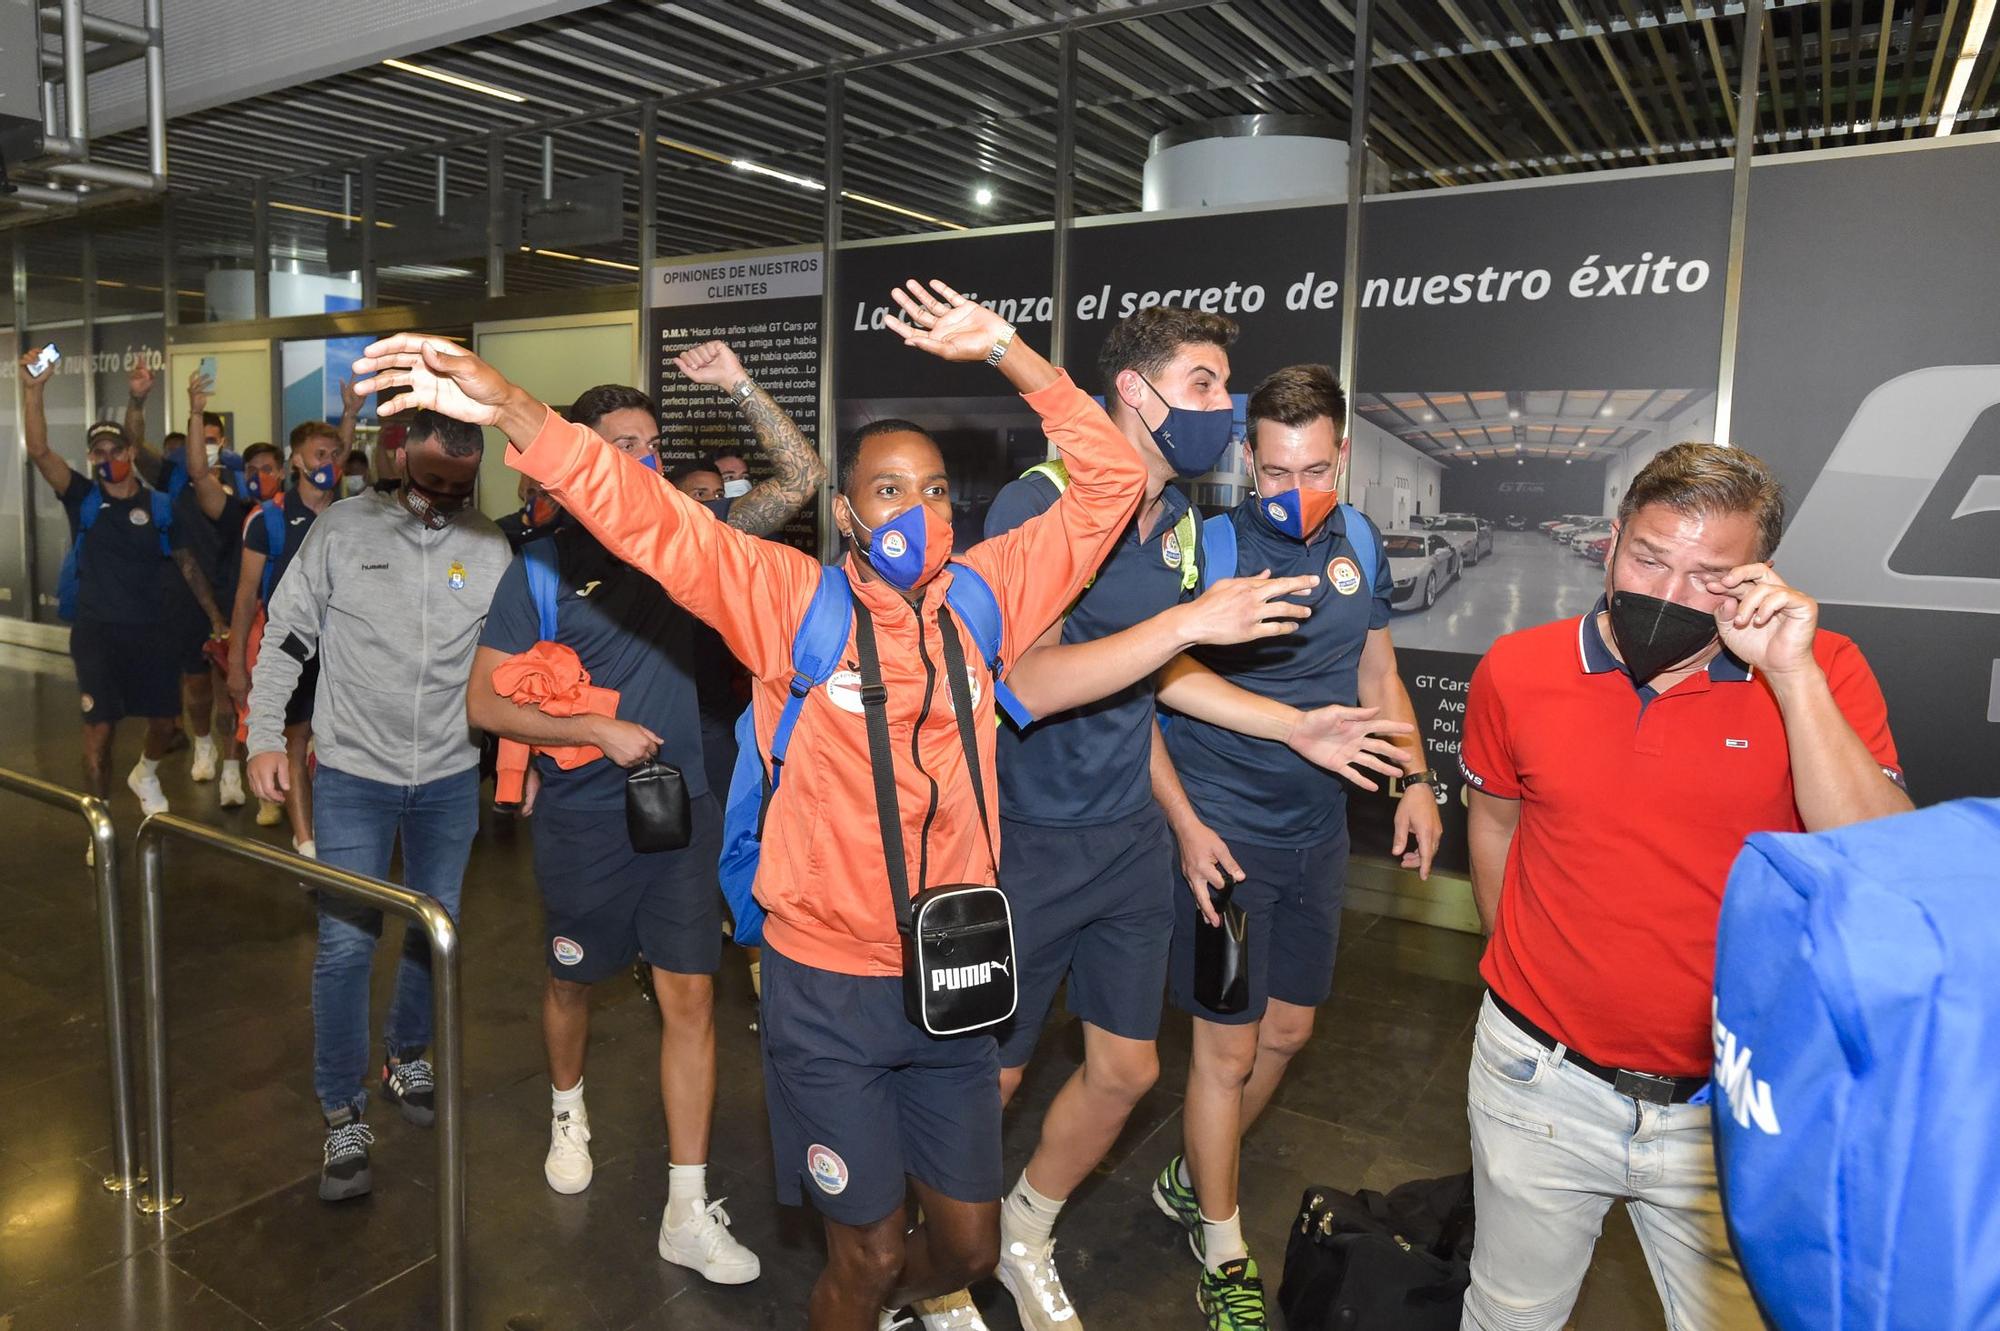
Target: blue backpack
(816, 649)
(544, 584)
(1218, 543)
(70, 580)
(1857, 1030)
(272, 511)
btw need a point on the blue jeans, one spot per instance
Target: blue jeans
(355, 822)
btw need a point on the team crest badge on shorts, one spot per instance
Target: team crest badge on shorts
(828, 1170)
(1170, 548)
(89, 704)
(454, 577)
(567, 950)
(1345, 577)
(139, 517)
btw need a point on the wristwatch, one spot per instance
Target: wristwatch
(1427, 777)
(1000, 345)
(744, 390)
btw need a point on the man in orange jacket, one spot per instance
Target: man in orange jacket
(864, 1105)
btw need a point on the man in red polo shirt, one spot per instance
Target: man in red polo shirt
(1617, 763)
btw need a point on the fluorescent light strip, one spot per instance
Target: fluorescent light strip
(805, 182)
(456, 81)
(581, 258)
(1961, 69)
(898, 208)
(758, 169)
(326, 212)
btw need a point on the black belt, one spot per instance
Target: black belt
(1639, 1085)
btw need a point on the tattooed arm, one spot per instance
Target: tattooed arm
(796, 470)
(204, 591)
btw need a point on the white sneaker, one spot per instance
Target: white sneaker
(152, 799)
(203, 766)
(269, 814)
(568, 1165)
(705, 1245)
(230, 793)
(308, 849)
(1030, 1276)
(886, 1320)
(949, 1312)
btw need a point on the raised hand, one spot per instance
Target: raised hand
(30, 381)
(140, 381)
(711, 363)
(1244, 609)
(440, 375)
(1764, 620)
(350, 398)
(198, 390)
(944, 323)
(1344, 740)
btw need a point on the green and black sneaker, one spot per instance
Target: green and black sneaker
(1177, 1203)
(1232, 1297)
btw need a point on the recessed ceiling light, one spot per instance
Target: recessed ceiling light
(1513, 413)
(983, 195)
(1429, 417)
(1606, 411)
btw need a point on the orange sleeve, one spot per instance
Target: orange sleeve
(1038, 569)
(753, 592)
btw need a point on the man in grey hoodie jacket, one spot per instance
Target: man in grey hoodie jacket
(389, 592)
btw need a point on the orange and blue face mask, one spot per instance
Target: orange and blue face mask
(1297, 513)
(908, 549)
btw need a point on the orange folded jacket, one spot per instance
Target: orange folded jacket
(551, 677)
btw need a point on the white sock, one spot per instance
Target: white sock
(569, 1101)
(1181, 1175)
(1222, 1240)
(149, 766)
(687, 1193)
(233, 767)
(1029, 1217)
(204, 744)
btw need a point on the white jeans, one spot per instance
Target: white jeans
(1552, 1147)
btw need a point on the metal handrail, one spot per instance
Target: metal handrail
(96, 814)
(423, 910)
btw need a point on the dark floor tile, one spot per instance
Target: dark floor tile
(145, 1290)
(290, 1258)
(58, 1224)
(235, 1148)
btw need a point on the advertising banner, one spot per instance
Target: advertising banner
(766, 306)
(1868, 374)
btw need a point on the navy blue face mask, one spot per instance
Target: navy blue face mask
(719, 507)
(1192, 440)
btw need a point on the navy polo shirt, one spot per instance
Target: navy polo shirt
(298, 521)
(1258, 790)
(1092, 765)
(122, 575)
(631, 638)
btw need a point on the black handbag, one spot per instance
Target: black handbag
(1222, 957)
(958, 939)
(1370, 1261)
(656, 808)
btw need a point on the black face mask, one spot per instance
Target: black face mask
(434, 510)
(1653, 635)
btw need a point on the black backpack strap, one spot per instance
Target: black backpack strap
(961, 707)
(881, 763)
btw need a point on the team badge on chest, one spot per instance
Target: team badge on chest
(454, 577)
(1346, 578)
(1170, 548)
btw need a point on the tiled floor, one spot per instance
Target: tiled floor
(1377, 1099)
